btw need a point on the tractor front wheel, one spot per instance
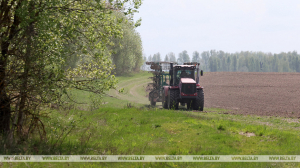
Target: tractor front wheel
(199, 102)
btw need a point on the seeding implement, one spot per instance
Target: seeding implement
(180, 85)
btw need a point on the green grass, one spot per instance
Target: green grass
(115, 129)
(136, 131)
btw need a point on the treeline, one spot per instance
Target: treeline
(127, 53)
(244, 61)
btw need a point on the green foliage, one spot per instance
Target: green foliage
(172, 57)
(183, 57)
(196, 57)
(221, 128)
(156, 57)
(243, 61)
(250, 61)
(167, 58)
(126, 51)
(49, 47)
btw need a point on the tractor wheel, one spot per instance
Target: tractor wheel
(165, 102)
(199, 102)
(172, 99)
(153, 103)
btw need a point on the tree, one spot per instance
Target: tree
(172, 57)
(228, 63)
(143, 67)
(212, 64)
(156, 57)
(38, 38)
(149, 58)
(224, 64)
(234, 63)
(127, 51)
(297, 66)
(275, 63)
(183, 57)
(166, 58)
(196, 57)
(205, 58)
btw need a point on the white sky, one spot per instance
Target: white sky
(228, 25)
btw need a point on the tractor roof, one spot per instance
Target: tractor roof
(185, 66)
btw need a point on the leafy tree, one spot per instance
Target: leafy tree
(223, 63)
(205, 58)
(196, 57)
(228, 63)
(172, 57)
(183, 57)
(234, 63)
(127, 51)
(212, 64)
(37, 40)
(156, 57)
(166, 58)
(149, 58)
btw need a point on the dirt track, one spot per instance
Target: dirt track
(268, 94)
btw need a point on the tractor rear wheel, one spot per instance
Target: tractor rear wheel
(172, 99)
(164, 100)
(199, 102)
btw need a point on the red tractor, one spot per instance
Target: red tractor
(184, 87)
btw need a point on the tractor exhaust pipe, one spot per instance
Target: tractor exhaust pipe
(171, 74)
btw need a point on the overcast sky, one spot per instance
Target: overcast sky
(228, 25)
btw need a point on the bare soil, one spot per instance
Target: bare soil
(253, 93)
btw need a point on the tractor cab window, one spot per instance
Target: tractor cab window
(184, 74)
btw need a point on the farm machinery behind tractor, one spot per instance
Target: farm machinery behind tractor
(180, 85)
(160, 78)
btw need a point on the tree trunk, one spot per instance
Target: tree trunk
(5, 112)
(24, 85)
(5, 103)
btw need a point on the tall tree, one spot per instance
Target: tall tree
(205, 58)
(166, 58)
(127, 51)
(183, 57)
(196, 57)
(228, 63)
(234, 63)
(149, 58)
(172, 57)
(156, 57)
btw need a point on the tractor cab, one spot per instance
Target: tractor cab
(183, 71)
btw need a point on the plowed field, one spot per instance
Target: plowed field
(267, 94)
